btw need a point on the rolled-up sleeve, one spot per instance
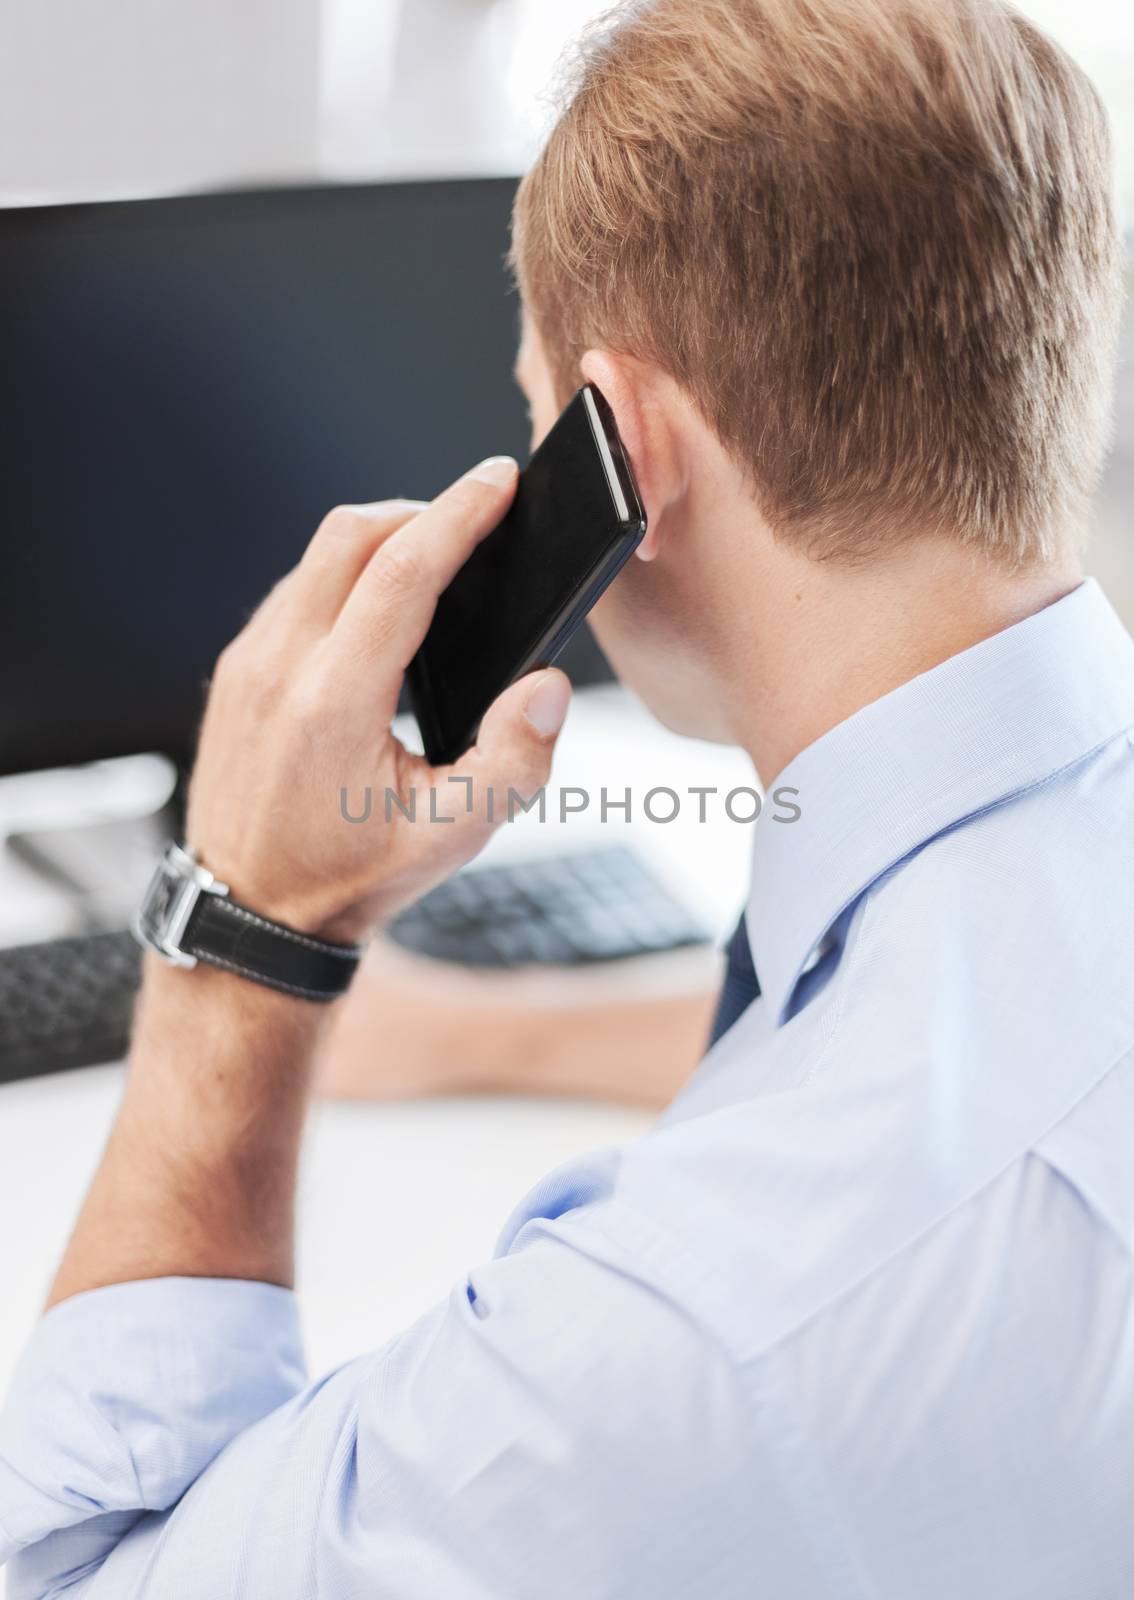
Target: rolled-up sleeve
(122, 1399)
(556, 1427)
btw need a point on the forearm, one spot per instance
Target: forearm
(188, 1334)
(127, 1393)
(198, 1176)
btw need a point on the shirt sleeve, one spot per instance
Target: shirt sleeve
(557, 1426)
(122, 1399)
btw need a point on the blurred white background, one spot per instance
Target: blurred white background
(103, 98)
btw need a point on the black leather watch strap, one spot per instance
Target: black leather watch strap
(228, 935)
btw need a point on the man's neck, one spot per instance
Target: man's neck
(841, 637)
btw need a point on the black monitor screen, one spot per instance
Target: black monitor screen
(188, 385)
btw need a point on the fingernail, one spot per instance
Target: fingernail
(547, 704)
(497, 470)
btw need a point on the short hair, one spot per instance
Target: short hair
(874, 241)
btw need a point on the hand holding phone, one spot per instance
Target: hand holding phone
(300, 710)
(576, 519)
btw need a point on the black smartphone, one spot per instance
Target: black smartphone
(576, 519)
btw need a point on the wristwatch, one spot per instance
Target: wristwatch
(187, 916)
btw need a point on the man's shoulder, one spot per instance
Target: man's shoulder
(982, 999)
(981, 1003)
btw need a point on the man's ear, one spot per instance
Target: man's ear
(626, 386)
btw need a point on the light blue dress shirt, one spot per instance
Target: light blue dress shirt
(855, 1321)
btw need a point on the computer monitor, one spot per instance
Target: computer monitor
(188, 385)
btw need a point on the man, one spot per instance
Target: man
(857, 1319)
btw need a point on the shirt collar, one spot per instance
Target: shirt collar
(997, 719)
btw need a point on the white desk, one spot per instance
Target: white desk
(397, 1200)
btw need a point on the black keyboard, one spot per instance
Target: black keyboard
(68, 1002)
(557, 911)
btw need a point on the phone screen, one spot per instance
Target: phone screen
(576, 518)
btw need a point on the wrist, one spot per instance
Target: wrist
(221, 1012)
(209, 1045)
(317, 911)
(197, 993)
(188, 916)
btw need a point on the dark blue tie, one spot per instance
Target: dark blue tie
(741, 985)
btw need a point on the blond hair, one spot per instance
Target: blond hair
(873, 239)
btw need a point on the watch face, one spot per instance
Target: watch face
(164, 889)
(167, 904)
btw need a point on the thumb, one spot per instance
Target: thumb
(518, 733)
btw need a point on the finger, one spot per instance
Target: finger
(390, 608)
(345, 540)
(517, 738)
